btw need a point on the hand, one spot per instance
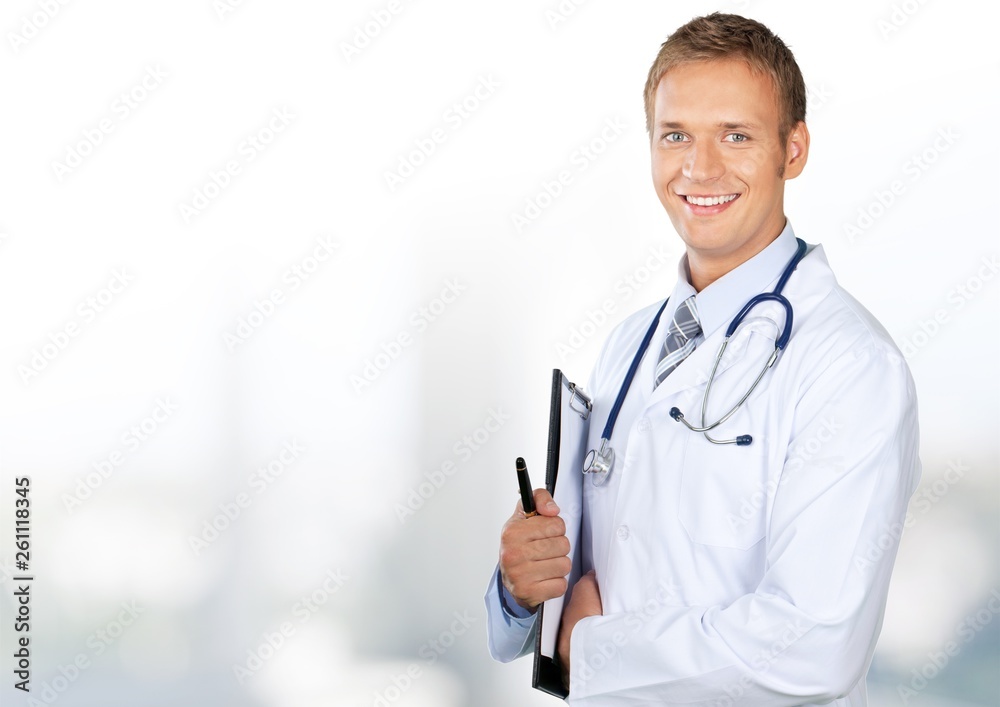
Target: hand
(585, 601)
(534, 552)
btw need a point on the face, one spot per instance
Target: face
(719, 165)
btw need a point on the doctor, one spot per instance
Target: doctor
(725, 574)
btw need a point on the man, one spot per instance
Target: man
(719, 574)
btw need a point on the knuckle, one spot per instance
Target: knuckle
(512, 533)
(509, 557)
(509, 530)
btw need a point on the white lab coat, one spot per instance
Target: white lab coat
(743, 575)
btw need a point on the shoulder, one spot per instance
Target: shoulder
(834, 331)
(623, 341)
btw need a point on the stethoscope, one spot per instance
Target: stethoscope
(600, 461)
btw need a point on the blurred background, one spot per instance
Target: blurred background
(283, 285)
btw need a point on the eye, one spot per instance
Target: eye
(737, 137)
(673, 137)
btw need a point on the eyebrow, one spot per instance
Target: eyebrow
(670, 125)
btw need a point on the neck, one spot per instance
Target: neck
(707, 266)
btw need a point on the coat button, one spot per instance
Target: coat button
(644, 425)
(623, 532)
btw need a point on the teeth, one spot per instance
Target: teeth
(710, 201)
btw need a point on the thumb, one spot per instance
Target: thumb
(544, 503)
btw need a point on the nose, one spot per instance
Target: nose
(703, 163)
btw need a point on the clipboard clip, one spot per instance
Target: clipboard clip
(578, 395)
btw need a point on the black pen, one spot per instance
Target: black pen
(527, 497)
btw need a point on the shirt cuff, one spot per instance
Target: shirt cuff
(508, 603)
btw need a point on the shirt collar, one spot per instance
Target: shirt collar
(719, 302)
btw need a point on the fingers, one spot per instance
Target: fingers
(519, 530)
(535, 584)
(544, 504)
(529, 573)
(516, 548)
(546, 548)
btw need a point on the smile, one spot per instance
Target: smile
(710, 200)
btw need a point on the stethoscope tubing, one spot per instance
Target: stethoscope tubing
(602, 461)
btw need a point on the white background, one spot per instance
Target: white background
(886, 80)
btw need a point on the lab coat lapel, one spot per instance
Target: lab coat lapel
(693, 372)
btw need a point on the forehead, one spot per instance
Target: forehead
(724, 90)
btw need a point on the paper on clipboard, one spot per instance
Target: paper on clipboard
(569, 423)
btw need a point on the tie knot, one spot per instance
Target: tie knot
(685, 322)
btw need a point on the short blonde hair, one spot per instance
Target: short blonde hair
(724, 36)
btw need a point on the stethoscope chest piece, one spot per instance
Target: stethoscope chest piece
(598, 463)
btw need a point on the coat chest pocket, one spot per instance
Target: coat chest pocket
(723, 493)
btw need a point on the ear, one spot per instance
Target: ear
(796, 150)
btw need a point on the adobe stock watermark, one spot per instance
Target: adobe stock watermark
(817, 96)
(959, 296)
(303, 610)
(600, 656)
(420, 320)
(293, 278)
(596, 317)
(579, 160)
(248, 150)
(899, 15)
(129, 441)
(223, 8)
(431, 651)
(32, 24)
(885, 198)
(84, 315)
(762, 661)
(561, 12)
(925, 498)
(453, 118)
(258, 482)
(365, 32)
(802, 452)
(463, 450)
(7, 570)
(968, 628)
(96, 644)
(120, 110)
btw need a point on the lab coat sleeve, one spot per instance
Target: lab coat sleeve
(509, 636)
(807, 632)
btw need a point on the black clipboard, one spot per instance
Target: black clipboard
(569, 424)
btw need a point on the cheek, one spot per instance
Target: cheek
(756, 166)
(750, 166)
(661, 171)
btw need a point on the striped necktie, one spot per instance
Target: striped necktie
(681, 335)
